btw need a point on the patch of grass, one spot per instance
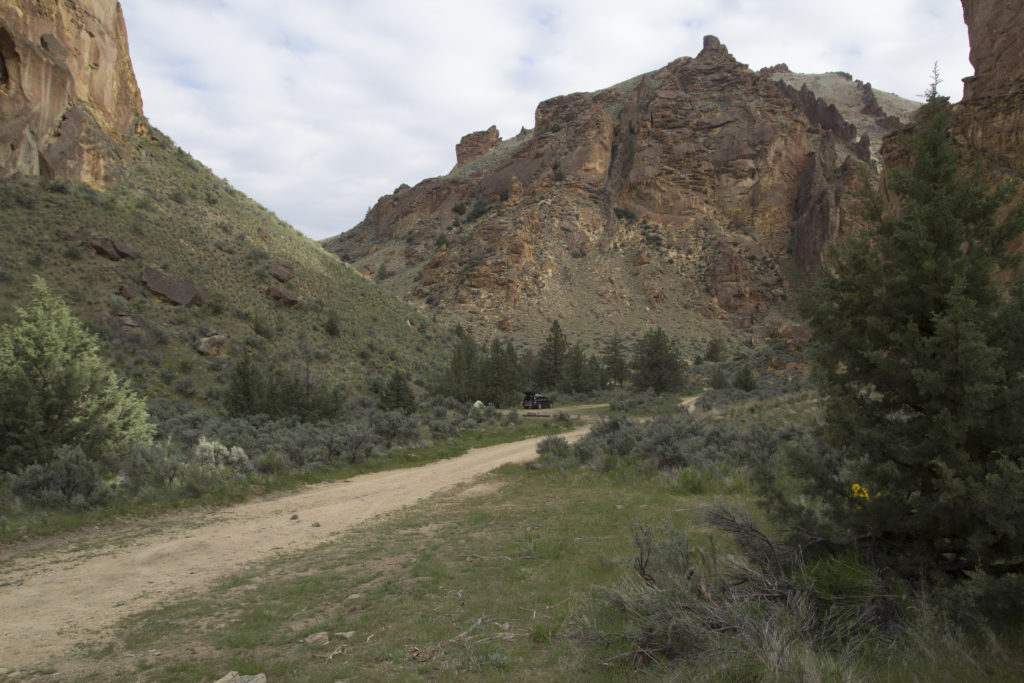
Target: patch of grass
(476, 583)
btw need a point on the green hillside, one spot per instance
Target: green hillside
(173, 214)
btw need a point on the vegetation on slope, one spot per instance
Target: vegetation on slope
(176, 216)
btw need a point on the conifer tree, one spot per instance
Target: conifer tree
(655, 363)
(502, 374)
(56, 391)
(247, 392)
(920, 356)
(396, 394)
(581, 372)
(551, 358)
(463, 378)
(614, 360)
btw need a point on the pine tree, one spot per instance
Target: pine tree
(551, 358)
(463, 378)
(582, 373)
(921, 361)
(614, 360)
(55, 391)
(655, 363)
(502, 374)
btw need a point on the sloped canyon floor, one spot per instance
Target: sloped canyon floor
(58, 593)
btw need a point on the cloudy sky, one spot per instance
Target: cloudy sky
(315, 108)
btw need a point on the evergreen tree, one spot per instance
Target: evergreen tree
(258, 388)
(551, 358)
(920, 355)
(396, 394)
(744, 379)
(715, 351)
(463, 379)
(616, 365)
(247, 391)
(655, 363)
(56, 391)
(503, 374)
(582, 373)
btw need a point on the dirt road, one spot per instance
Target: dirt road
(57, 593)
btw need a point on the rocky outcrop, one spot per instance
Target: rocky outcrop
(819, 112)
(990, 118)
(824, 206)
(69, 102)
(673, 191)
(113, 248)
(857, 115)
(475, 145)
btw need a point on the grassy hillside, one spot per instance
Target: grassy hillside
(178, 217)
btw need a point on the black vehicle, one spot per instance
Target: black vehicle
(531, 399)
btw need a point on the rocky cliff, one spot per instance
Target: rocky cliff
(990, 118)
(688, 197)
(69, 102)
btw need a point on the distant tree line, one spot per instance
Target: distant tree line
(498, 374)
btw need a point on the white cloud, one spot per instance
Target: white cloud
(318, 109)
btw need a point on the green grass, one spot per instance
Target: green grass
(504, 579)
(478, 584)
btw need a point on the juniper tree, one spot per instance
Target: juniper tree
(920, 357)
(396, 394)
(56, 391)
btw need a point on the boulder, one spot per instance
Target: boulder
(104, 246)
(282, 271)
(125, 250)
(129, 327)
(128, 292)
(213, 345)
(176, 290)
(320, 638)
(113, 248)
(235, 677)
(279, 293)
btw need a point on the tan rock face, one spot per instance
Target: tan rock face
(69, 101)
(476, 145)
(990, 118)
(666, 199)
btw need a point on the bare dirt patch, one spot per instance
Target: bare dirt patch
(60, 593)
